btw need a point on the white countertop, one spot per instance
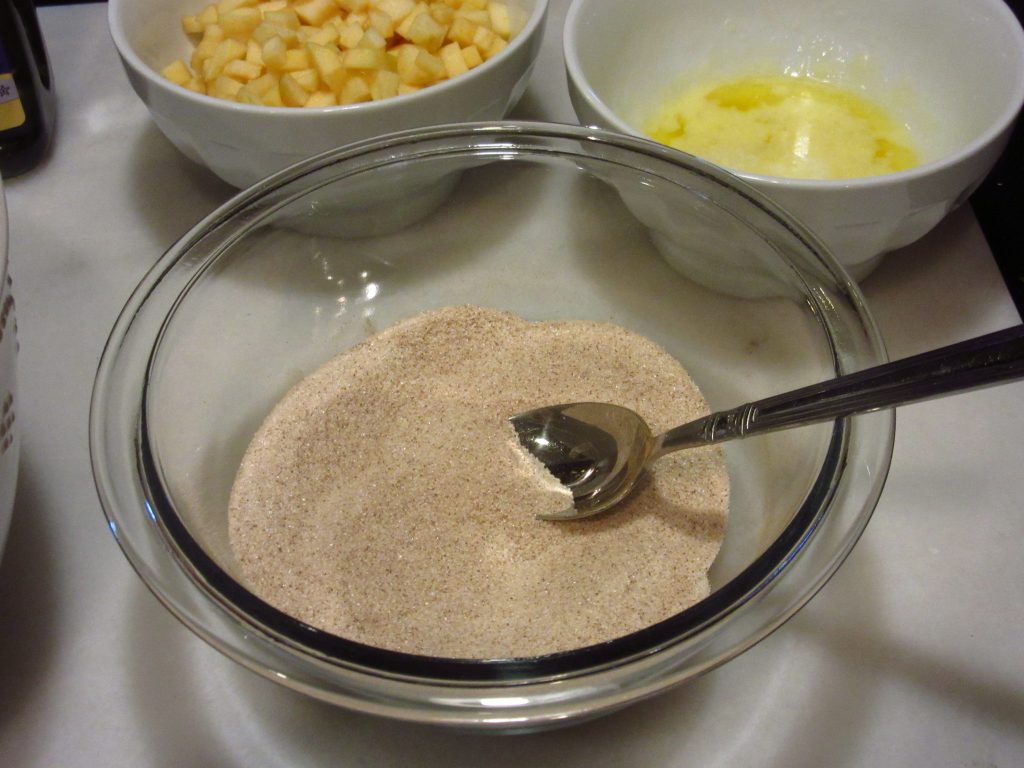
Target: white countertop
(911, 656)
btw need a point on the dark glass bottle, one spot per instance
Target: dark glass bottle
(26, 89)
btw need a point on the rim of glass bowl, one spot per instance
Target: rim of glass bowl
(133, 485)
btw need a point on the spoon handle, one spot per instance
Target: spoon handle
(981, 361)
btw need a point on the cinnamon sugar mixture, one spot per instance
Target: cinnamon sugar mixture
(385, 499)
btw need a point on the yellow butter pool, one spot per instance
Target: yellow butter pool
(780, 125)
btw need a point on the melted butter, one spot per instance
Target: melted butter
(784, 126)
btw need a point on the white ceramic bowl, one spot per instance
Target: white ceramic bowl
(8, 364)
(953, 70)
(242, 143)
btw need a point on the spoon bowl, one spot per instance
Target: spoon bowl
(599, 450)
(596, 450)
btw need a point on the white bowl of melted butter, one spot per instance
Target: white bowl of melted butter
(869, 122)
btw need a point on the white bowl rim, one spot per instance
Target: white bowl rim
(127, 52)
(1003, 123)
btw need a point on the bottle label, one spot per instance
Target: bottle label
(12, 113)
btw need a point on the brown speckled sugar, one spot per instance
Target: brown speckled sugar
(385, 499)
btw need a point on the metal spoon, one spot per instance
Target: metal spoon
(599, 450)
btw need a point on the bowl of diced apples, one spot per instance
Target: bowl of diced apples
(248, 87)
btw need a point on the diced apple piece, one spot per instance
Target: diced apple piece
(326, 35)
(328, 63)
(253, 53)
(403, 26)
(225, 88)
(462, 31)
(478, 17)
(242, 70)
(373, 40)
(355, 90)
(501, 22)
(191, 25)
(274, 53)
(425, 32)
(269, 29)
(196, 62)
(208, 15)
(396, 9)
(264, 32)
(272, 98)
(209, 72)
(202, 52)
(497, 46)
(382, 22)
(418, 67)
(316, 12)
(353, 6)
(213, 33)
(385, 85)
(240, 23)
(225, 51)
(296, 59)
(292, 94)
(286, 17)
(483, 38)
(405, 56)
(307, 78)
(364, 58)
(430, 65)
(177, 72)
(322, 99)
(453, 60)
(472, 57)
(349, 35)
(441, 13)
(262, 84)
(227, 6)
(254, 91)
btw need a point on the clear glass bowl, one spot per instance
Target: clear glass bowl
(549, 222)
